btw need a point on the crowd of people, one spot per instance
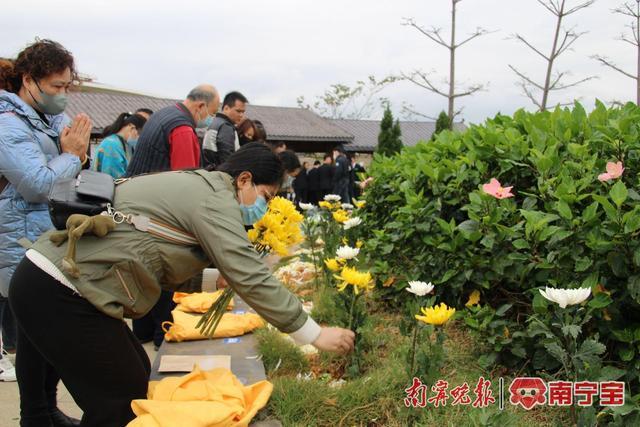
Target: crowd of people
(338, 174)
(70, 328)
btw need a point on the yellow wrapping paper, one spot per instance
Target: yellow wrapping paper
(184, 328)
(212, 398)
(198, 302)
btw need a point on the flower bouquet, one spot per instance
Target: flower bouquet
(275, 232)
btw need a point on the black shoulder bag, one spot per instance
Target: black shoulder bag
(87, 194)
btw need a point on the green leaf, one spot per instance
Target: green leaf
(583, 263)
(564, 210)
(633, 286)
(611, 373)
(557, 352)
(611, 212)
(626, 353)
(590, 212)
(624, 335)
(600, 300)
(521, 244)
(589, 351)
(519, 352)
(618, 264)
(540, 304)
(573, 330)
(632, 220)
(619, 193)
(503, 309)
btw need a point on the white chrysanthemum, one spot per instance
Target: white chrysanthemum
(420, 288)
(347, 206)
(332, 198)
(566, 297)
(306, 206)
(347, 252)
(352, 222)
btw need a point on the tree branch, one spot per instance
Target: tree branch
(409, 112)
(433, 33)
(579, 7)
(570, 38)
(550, 6)
(529, 45)
(626, 9)
(561, 87)
(478, 33)
(470, 91)
(606, 62)
(525, 78)
(425, 83)
(527, 91)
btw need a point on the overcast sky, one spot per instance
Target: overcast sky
(276, 50)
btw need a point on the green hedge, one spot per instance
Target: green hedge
(427, 218)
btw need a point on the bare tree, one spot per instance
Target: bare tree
(423, 79)
(341, 101)
(628, 9)
(562, 41)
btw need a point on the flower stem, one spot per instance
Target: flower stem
(413, 350)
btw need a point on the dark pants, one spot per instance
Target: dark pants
(97, 357)
(149, 327)
(7, 326)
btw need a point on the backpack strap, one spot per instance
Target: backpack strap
(153, 226)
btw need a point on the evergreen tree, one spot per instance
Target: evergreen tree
(442, 123)
(389, 142)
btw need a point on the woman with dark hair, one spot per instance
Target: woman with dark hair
(37, 147)
(261, 132)
(247, 132)
(96, 354)
(115, 150)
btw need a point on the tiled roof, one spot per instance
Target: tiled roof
(281, 123)
(366, 132)
(295, 124)
(103, 108)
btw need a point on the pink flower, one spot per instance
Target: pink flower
(614, 170)
(493, 188)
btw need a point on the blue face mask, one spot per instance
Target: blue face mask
(205, 123)
(253, 213)
(132, 143)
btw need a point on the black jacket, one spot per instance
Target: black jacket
(301, 182)
(220, 140)
(313, 177)
(342, 170)
(325, 177)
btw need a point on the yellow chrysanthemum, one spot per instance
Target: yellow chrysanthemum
(332, 264)
(359, 243)
(359, 203)
(359, 280)
(341, 215)
(436, 315)
(326, 205)
(253, 235)
(474, 298)
(278, 229)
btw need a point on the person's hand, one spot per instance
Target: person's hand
(336, 340)
(366, 182)
(221, 283)
(75, 139)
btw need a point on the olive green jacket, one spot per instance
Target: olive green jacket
(121, 273)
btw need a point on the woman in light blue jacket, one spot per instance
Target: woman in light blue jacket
(37, 147)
